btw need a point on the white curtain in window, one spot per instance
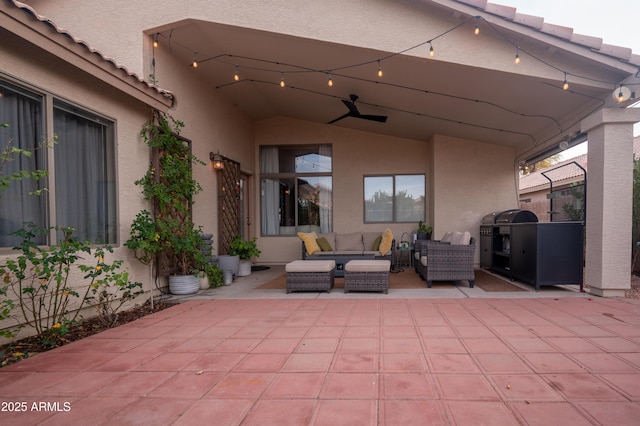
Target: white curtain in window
(270, 191)
(326, 208)
(23, 117)
(84, 178)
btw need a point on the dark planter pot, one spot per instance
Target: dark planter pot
(423, 236)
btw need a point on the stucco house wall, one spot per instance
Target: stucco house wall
(470, 181)
(38, 71)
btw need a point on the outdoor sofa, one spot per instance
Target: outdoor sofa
(345, 247)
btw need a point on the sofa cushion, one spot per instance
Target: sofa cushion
(387, 242)
(446, 238)
(461, 238)
(369, 239)
(310, 243)
(349, 242)
(330, 237)
(324, 244)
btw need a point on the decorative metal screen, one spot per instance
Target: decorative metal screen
(228, 204)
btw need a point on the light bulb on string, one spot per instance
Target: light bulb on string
(282, 83)
(517, 58)
(476, 30)
(565, 85)
(620, 97)
(380, 73)
(330, 81)
(194, 63)
(155, 40)
(432, 52)
(236, 76)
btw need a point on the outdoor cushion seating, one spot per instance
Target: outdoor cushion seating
(303, 275)
(345, 247)
(450, 260)
(367, 275)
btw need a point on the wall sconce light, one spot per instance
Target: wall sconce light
(218, 161)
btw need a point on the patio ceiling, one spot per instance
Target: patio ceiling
(420, 95)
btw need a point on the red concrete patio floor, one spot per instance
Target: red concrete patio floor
(566, 361)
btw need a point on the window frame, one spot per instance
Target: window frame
(295, 177)
(49, 103)
(394, 218)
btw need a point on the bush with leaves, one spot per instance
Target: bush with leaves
(110, 288)
(39, 280)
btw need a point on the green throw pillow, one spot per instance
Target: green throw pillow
(324, 244)
(376, 243)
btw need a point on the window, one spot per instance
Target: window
(81, 165)
(296, 189)
(398, 198)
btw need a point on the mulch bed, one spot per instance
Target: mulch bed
(30, 346)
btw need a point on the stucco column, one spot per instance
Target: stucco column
(609, 194)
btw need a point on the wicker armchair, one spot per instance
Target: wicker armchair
(439, 261)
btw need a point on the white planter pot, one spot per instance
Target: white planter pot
(184, 284)
(204, 283)
(244, 270)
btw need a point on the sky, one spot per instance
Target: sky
(615, 21)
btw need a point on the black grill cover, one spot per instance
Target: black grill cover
(516, 216)
(490, 219)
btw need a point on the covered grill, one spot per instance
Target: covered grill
(515, 244)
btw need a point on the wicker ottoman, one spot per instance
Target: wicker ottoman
(367, 275)
(310, 275)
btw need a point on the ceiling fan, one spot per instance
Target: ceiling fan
(353, 112)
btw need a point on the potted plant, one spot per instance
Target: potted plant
(245, 250)
(424, 231)
(168, 235)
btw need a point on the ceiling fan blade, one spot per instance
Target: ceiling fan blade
(378, 118)
(340, 118)
(353, 110)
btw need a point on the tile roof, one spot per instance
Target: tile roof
(562, 172)
(125, 73)
(596, 44)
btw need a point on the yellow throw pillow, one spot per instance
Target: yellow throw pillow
(387, 241)
(310, 243)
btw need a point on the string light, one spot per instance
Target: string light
(476, 31)
(330, 81)
(620, 97)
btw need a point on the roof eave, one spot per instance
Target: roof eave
(22, 21)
